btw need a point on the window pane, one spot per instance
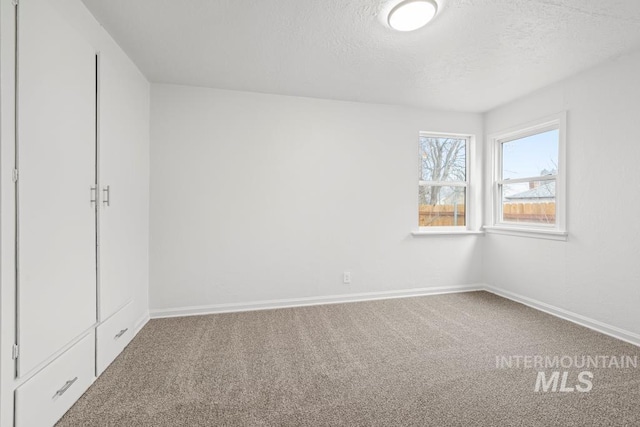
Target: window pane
(441, 206)
(443, 159)
(531, 202)
(535, 155)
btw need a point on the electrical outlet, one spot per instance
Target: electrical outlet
(346, 277)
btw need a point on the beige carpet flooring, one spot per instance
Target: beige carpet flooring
(425, 361)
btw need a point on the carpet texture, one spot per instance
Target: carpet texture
(424, 361)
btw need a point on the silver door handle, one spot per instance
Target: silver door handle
(94, 195)
(106, 196)
(121, 333)
(65, 387)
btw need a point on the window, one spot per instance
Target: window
(529, 177)
(443, 182)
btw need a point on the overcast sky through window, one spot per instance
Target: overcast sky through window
(528, 157)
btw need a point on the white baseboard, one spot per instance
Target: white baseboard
(300, 302)
(579, 319)
(140, 323)
(596, 325)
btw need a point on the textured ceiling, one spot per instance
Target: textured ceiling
(476, 54)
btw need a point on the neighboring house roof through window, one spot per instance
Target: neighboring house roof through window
(544, 192)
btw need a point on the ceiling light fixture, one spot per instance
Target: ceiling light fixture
(410, 15)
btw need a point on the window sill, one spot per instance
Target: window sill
(526, 232)
(420, 233)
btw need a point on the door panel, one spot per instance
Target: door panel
(56, 144)
(122, 220)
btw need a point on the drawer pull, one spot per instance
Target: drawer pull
(121, 333)
(65, 387)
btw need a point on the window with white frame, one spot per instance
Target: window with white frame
(443, 182)
(529, 177)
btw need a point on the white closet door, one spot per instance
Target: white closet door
(121, 220)
(56, 143)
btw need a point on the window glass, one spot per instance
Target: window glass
(442, 187)
(528, 178)
(529, 202)
(535, 155)
(443, 159)
(442, 206)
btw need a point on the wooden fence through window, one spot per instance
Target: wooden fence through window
(441, 215)
(446, 215)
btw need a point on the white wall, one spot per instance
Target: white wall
(258, 197)
(596, 273)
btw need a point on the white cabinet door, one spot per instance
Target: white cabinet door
(123, 217)
(56, 145)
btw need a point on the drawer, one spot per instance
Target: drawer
(43, 399)
(113, 335)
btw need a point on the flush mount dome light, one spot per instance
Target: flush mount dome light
(410, 15)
